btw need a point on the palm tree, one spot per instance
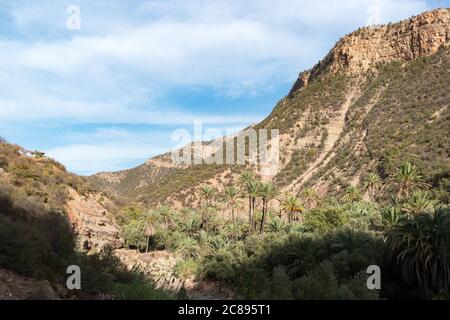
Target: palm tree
(276, 225)
(207, 194)
(253, 189)
(421, 247)
(191, 226)
(250, 186)
(292, 206)
(372, 184)
(391, 217)
(419, 201)
(352, 194)
(267, 192)
(166, 214)
(148, 219)
(188, 248)
(232, 231)
(246, 176)
(407, 179)
(232, 201)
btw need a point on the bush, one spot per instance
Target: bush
(139, 288)
(324, 219)
(185, 269)
(323, 284)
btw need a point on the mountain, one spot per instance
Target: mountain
(379, 98)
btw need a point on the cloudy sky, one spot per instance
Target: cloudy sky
(108, 96)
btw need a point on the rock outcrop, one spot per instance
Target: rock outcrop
(16, 287)
(93, 228)
(361, 50)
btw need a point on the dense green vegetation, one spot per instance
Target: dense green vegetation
(309, 247)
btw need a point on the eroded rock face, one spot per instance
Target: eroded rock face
(93, 228)
(407, 40)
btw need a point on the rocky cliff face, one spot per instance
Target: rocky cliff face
(407, 40)
(90, 221)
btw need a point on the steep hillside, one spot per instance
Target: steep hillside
(380, 97)
(51, 219)
(37, 184)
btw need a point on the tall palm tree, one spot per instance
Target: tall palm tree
(421, 248)
(292, 206)
(352, 194)
(232, 201)
(249, 185)
(407, 179)
(207, 193)
(246, 176)
(166, 214)
(148, 219)
(267, 192)
(372, 184)
(253, 189)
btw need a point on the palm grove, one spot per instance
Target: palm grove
(269, 244)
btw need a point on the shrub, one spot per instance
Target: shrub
(323, 284)
(139, 288)
(324, 219)
(3, 162)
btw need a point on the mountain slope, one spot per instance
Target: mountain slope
(378, 98)
(36, 186)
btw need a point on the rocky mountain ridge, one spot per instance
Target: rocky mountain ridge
(407, 40)
(336, 115)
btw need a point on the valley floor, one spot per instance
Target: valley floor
(159, 266)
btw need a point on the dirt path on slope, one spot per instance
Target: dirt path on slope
(334, 129)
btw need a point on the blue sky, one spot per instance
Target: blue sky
(108, 96)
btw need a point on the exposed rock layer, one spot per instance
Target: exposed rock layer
(90, 221)
(407, 40)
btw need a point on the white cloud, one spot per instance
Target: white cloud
(87, 159)
(108, 149)
(232, 47)
(130, 57)
(48, 108)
